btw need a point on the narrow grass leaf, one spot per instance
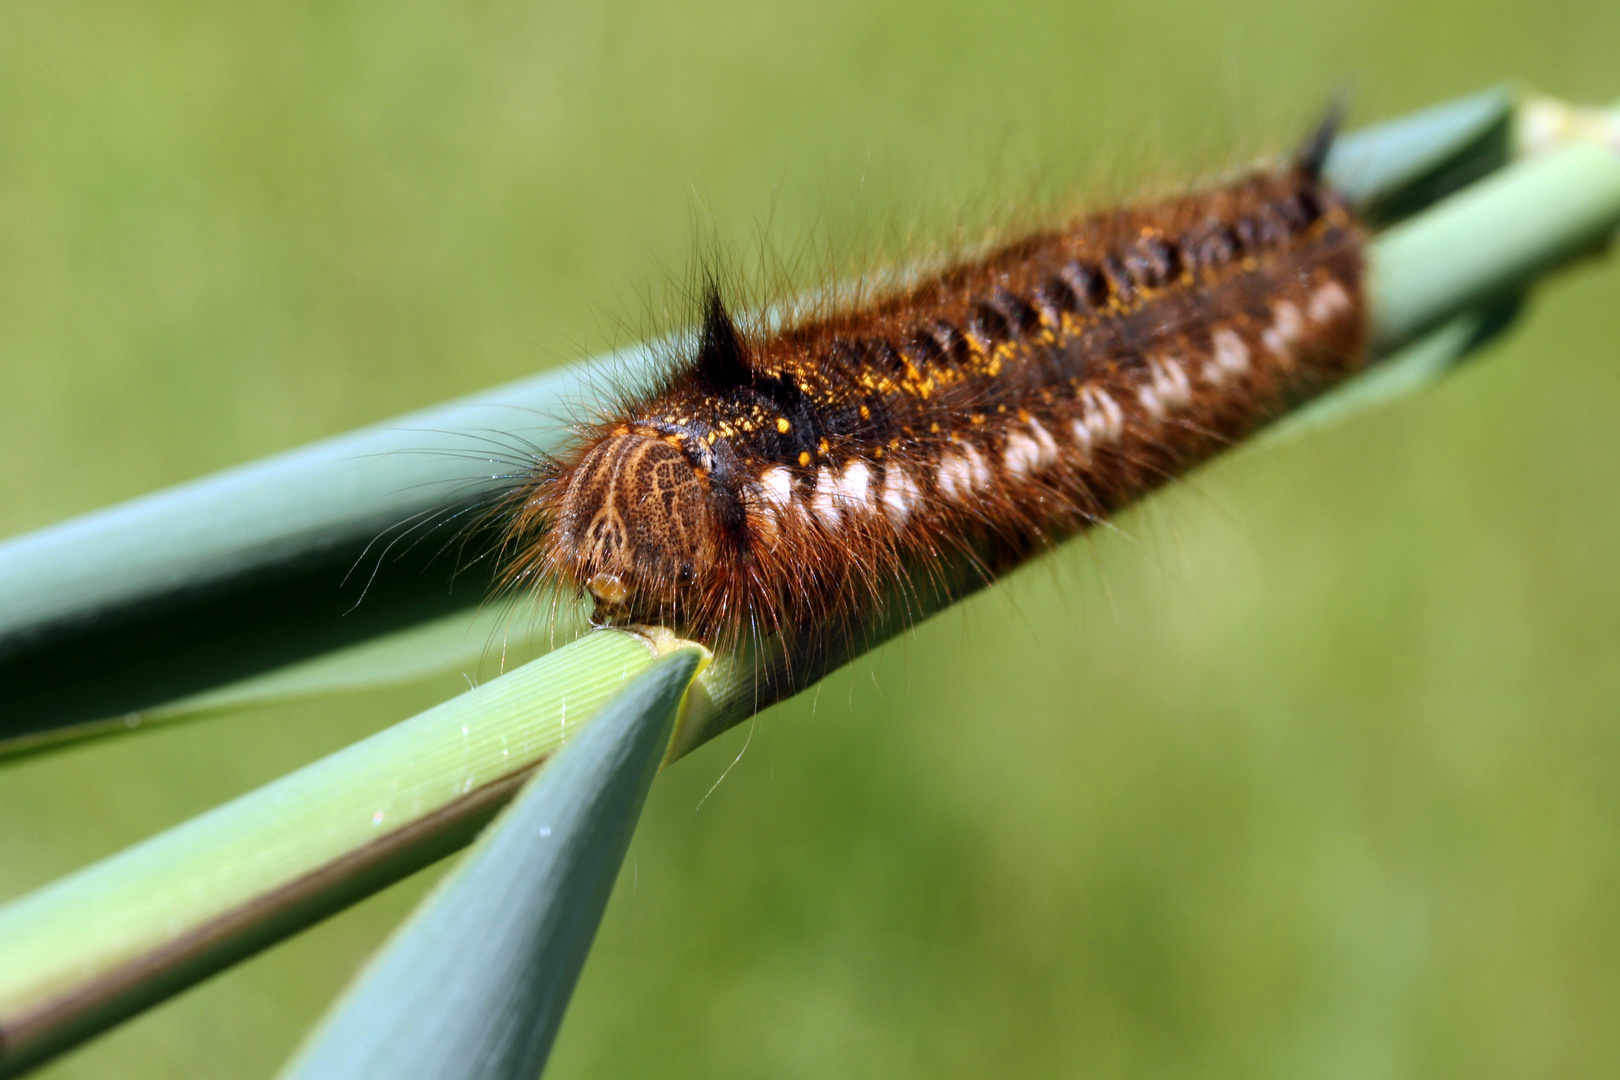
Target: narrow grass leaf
(1489, 241)
(1394, 169)
(476, 644)
(475, 983)
(101, 944)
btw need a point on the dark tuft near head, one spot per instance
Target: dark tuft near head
(722, 358)
(1312, 155)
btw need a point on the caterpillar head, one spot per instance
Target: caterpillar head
(635, 525)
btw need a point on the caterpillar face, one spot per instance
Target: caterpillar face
(636, 523)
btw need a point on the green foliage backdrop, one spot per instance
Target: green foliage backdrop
(1307, 770)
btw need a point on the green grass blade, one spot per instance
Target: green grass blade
(1394, 169)
(103, 943)
(475, 983)
(477, 645)
(1489, 241)
(260, 566)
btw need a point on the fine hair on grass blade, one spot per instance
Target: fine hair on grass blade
(475, 983)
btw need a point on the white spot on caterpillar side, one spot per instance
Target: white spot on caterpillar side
(1288, 320)
(1048, 445)
(899, 495)
(1328, 300)
(1082, 438)
(766, 522)
(978, 471)
(1101, 416)
(1150, 401)
(837, 496)
(1051, 315)
(1287, 327)
(854, 487)
(821, 500)
(952, 477)
(1029, 453)
(1231, 357)
(1167, 387)
(1019, 455)
(777, 485)
(959, 474)
(1022, 456)
(775, 501)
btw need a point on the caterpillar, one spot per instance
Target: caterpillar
(781, 479)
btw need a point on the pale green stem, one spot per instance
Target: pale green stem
(103, 943)
(473, 986)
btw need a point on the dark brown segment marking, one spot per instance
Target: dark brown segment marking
(922, 349)
(1019, 316)
(987, 325)
(1118, 277)
(952, 344)
(1212, 245)
(1054, 299)
(1086, 282)
(1151, 263)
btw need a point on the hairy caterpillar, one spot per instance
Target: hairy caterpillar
(804, 476)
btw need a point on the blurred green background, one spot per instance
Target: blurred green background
(1312, 768)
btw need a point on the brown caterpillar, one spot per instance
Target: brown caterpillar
(795, 479)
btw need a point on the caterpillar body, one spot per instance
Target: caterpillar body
(782, 481)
